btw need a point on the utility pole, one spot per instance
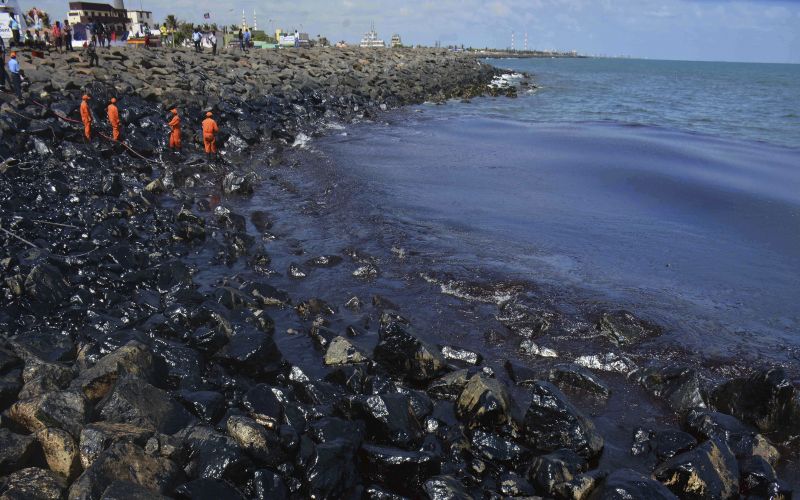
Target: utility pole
(526, 41)
(513, 47)
(255, 23)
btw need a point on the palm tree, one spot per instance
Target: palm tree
(171, 21)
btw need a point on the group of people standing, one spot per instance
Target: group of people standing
(197, 39)
(209, 126)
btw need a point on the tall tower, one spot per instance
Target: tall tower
(526, 41)
(513, 47)
(244, 21)
(255, 23)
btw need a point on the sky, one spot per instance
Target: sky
(720, 30)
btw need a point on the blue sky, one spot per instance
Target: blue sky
(732, 30)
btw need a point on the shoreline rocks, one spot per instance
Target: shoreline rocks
(124, 370)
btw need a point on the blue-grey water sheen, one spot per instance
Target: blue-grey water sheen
(737, 100)
(693, 222)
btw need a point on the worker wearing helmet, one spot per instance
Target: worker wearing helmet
(86, 118)
(175, 126)
(210, 129)
(113, 118)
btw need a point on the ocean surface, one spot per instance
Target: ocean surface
(671, 189)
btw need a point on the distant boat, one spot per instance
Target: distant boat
(371, 40)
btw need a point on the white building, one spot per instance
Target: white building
(142, 18)
(396, 41)
(112, 17)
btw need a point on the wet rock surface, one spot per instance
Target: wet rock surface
(161, 338)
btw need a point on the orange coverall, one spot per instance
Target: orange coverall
(175, 136)
(86, 118)
(113, 117)
(210, 130)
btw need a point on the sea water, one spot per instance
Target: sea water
(668, 188)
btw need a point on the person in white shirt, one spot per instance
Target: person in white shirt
(212, 39)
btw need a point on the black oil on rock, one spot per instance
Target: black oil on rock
(148, 350)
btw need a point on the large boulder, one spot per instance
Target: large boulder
(66, 410)
(450, 385)
(260, 443)
(389, 418)
(15, 450)
(125, 461)
(548, 470)
(252, 352)
(577, 379)
(759, 480)
(134, 359)
(767, 399)
(742, 439)
(626, 484)
(483, 402)
(47, 287)
(33, 484)
(623, 328)
(136, 402)
(496, 448)
(402, 354)
(330, 469)
(343, 352)
(97, 437)
(60, 451)
(214, 455)
(679, 385)
(663, 444)
(446, 488)
(708, 471)
(41, 377)
(552, 422)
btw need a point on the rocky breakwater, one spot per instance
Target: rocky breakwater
(123, 376)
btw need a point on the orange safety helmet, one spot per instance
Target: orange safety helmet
(86, 97)
(174, 111)
(209, 114)
(113, 100)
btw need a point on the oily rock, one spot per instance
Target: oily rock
(767, 399)
(552, 422)
(33, 484)
(402, 354)
(125, 461)
(60, 451)
(97, 437)
(708, 471)
(66, 410)
(134, 359)
(483, 402)
(742, 439)
(626, 484)
(136, 402)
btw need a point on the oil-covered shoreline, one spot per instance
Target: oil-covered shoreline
(119, 377)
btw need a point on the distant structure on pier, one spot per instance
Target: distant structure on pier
(371, 39)
(396, 41)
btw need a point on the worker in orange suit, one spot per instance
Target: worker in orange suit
(210, 130)
(86, 118)
(113, 118)
(175, 125)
